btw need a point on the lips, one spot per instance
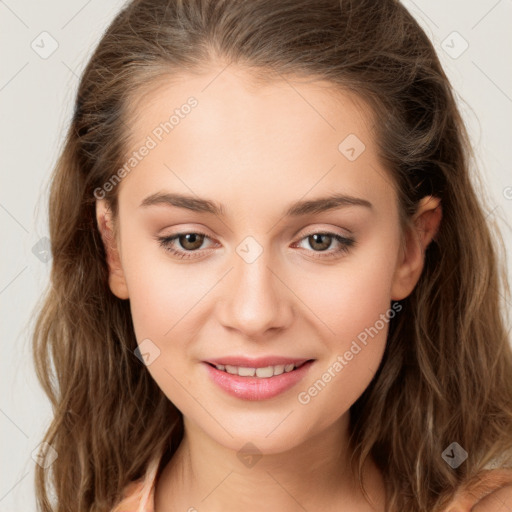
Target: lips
(256, 379)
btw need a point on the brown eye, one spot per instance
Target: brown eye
(191, 241)
(183, 245)
(320, 241)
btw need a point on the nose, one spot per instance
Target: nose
(255, 299)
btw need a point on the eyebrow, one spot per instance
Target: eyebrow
(319, 205)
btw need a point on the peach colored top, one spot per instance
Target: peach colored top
(138, 496)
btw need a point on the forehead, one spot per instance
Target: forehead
(232, 97)
(288, 135)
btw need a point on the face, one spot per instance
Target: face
(261, 307)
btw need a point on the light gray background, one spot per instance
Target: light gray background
(36, 98)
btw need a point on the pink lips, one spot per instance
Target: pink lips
(255, 388)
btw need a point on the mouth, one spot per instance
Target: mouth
(261, 372)
(257, 379)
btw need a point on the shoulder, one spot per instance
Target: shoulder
(497, 501)
(488, 491)
(136, 498)
(139, 495)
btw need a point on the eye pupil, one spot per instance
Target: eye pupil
(191, 238)
(324, 245)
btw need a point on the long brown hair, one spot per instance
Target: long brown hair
(446, 372)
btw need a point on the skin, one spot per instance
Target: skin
(256, 150)
(497, 501)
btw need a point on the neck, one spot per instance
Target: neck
(206, 476)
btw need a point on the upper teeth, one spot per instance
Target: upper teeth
(267, 371)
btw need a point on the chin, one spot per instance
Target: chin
(264, 437)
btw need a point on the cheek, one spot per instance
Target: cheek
(352, 355)
(162, 293)
(353, 301)
(350, 296)
(162, 300)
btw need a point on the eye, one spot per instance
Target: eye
(321, 241)
(191, 242)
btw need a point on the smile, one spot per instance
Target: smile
(262, 372)
(260, 381)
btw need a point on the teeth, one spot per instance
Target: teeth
(232, 369)
(278, 369)
(246, 372)
(264, 373)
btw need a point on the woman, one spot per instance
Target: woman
(273, 286)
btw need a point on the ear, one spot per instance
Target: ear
(116, 280)
(423, 228)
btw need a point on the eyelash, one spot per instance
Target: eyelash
(345, 244)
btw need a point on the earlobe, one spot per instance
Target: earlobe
(116, 280)
(423, 228)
